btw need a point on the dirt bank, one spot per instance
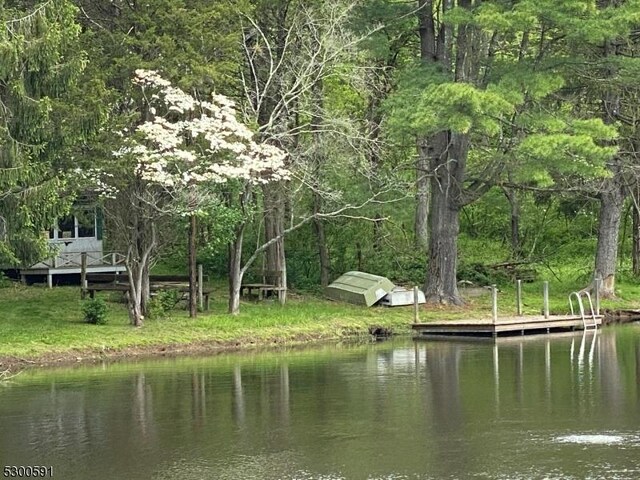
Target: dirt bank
(88, 356)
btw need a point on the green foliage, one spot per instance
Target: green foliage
(564, 153)
(195, 44)
(460, 107)
(217, 225)
(480, 274)
(533, 112)
(405, 105)
(95, 311)
(395, 24)
(4, 281)
(40, 67)
(162, 303)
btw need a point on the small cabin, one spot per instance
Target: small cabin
(77, 233)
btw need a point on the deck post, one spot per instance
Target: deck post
(113, 258)
(50, 279)
(416, 319)
(494, 303)
(519, 297)
(545, 298)
(83, 274)
(200, 298)
(597, 294)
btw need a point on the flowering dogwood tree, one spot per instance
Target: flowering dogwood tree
(183, 147)
(186, 141)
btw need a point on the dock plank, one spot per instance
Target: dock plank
(504, 325)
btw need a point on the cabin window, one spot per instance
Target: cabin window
(86, 224)
(67, 227)
(81, 225)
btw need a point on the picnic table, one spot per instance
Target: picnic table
(108, 282)
(271, 284)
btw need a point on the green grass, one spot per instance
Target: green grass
(627, 297)
(36, 322)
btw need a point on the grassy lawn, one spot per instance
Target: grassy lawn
(36, 321)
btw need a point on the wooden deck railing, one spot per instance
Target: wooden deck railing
(74, 259)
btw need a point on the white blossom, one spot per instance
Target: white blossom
(187, 142)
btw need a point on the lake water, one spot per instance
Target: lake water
(555, 407)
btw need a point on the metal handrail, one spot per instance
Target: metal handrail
(578, 296)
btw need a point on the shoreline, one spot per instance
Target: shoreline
(88, 356)
(14, 364)
(44, 327)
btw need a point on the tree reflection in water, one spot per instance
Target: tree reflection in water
(424, 409)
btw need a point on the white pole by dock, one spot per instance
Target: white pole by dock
(494, 303)
(597, 294)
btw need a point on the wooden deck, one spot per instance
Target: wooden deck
(48, 273)
(70, 263)
(524, 325)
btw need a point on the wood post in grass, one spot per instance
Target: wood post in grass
(519, 297)
(545, 298)
(83, 274)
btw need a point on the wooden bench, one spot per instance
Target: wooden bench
(119, 282)
(271, 284)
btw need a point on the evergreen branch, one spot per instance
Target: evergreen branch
(29, 16)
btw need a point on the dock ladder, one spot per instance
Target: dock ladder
(588, 321)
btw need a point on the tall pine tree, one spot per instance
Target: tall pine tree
(39, 66)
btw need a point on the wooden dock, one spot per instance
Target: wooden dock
(516, 325)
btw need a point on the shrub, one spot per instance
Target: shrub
(4, 281)
(95, 311)
(163, 302)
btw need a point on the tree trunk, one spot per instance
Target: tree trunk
(142, 245)
(235, 271)
(146, 290)
(318, 160)
(422, 197)
(428, 54)
(321, 241)
(193, 269)
(377, 232)
(274, 228)
(441, 285)
(445, 151)
(448, 159)
(612, 194)
(611, 206)
(134, 300)
(635, 253)
(514, 205)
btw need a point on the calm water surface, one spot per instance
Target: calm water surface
(563, 407)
